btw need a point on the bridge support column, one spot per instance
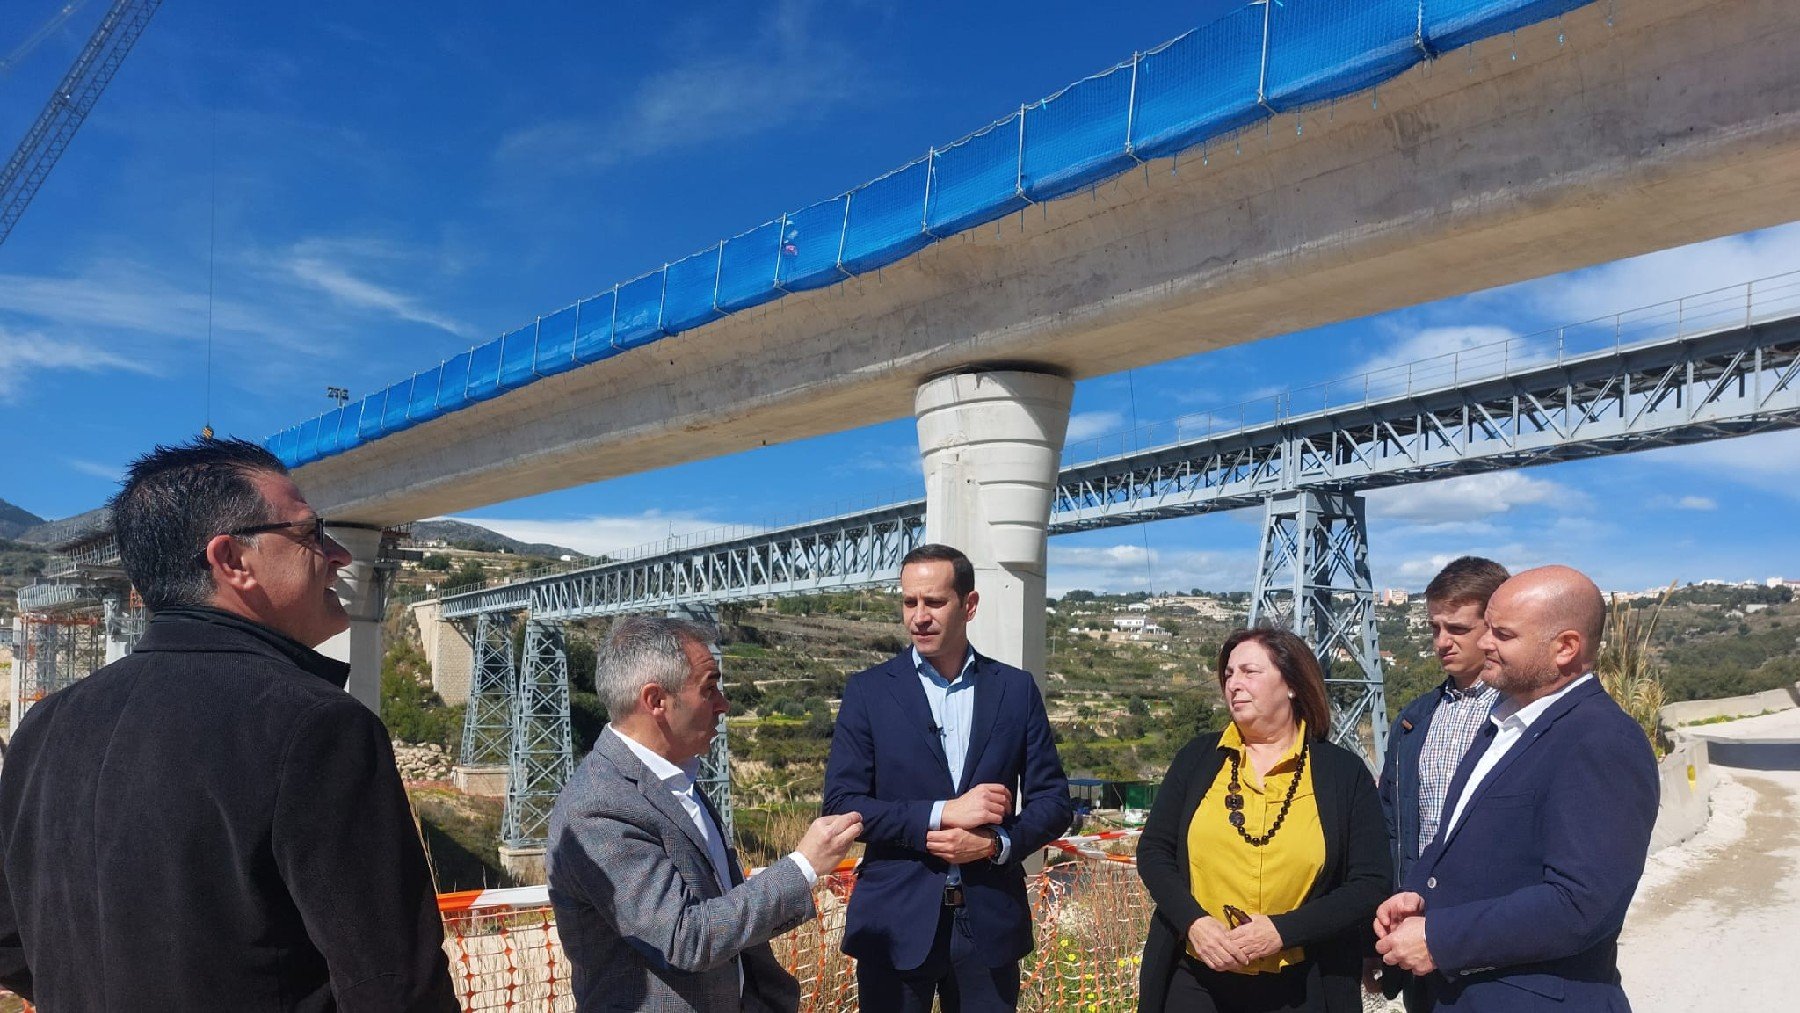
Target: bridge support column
(116, 628)
(715, 766)
(1313, 578)
(542, 754)
(363, 587)
(448, 650)
(486, 753)
(992, 446)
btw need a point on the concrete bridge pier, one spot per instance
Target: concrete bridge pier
(363, 587)
(119, 626)
(447, 650)
(992, 446)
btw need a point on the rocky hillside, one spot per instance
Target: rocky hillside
(461, 535)
(15, 520)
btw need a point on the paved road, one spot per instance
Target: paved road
(1716, 921)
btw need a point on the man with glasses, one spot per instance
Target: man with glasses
(212, 823)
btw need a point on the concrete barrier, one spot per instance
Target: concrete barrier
(1689, 711)
(1686, 779)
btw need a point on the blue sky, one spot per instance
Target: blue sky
(381, 186)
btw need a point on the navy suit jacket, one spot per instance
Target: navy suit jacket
(1525, 897)
(888, 764)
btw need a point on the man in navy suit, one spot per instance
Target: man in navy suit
(1518, 902)
(932, 748)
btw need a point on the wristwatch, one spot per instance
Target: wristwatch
(993, 837)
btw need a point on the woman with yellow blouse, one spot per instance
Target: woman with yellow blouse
(1265, 852)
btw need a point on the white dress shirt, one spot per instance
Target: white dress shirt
(1512, 722)
(953, 712)
(680, 782)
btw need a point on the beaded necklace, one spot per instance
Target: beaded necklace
(1234, 800)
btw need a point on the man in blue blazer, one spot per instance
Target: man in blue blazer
(1517, 904)
(932, 748)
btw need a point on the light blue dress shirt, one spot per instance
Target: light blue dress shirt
(953, 712)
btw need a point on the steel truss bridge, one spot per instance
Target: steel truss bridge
(1707, 367)
(1702, 368)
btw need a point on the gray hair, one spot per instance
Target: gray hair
(641, 650)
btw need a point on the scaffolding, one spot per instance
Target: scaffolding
(54, 651)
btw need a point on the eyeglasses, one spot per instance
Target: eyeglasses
(316, 525)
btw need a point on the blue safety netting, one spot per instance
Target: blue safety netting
(1200, 86)
(1261, 59)
(688, 289)
(1449, 24)
(593, 328)
(975, 180)
(555, 342)
(1078, 136)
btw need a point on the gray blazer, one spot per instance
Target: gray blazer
(640, 913)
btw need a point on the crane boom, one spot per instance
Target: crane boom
(69, 105)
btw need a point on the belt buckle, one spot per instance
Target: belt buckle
(953, 895)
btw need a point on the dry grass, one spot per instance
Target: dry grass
(1628, 670)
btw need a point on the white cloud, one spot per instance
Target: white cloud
(731, 88)
(1437, 357)
(1684, 503)
(1670, 274)
(336, 281)
(1769, 462)
(1129, 567)
(1468, 499)
(23, 353)
(108, 296)
(1087, 425)
(110, 472)
(609, 535)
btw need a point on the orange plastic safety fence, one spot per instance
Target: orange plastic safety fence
(1090, 915)
(508, 959)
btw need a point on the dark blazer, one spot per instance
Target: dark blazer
(1333, 923)
(1525, 896)
(888, 764)
(212, 823)
(639, 910)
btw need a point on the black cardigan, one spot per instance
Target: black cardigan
(1333, 923)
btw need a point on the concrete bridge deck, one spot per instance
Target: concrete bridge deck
(1618, 129)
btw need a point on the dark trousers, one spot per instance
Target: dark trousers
(955, 972)
(1196, 988)
(1417, 996)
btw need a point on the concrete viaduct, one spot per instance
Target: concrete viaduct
(1618, 129)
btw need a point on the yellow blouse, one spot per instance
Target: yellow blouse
(1223, 868)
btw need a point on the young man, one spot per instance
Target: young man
(932, 748)
(212, 823)
(1435, 730)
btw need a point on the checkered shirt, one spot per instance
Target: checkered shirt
(1459, 715)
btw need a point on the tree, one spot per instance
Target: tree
(470, 572)
(435, 561)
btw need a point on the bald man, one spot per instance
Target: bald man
(1517, 904)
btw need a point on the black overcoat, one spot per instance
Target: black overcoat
(212, 823)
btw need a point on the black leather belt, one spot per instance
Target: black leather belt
(953, 895)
